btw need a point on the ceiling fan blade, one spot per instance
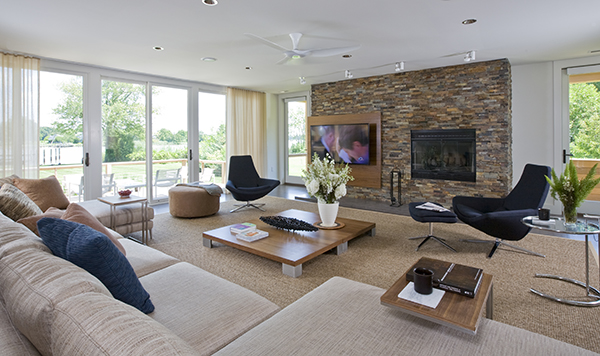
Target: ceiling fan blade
(332, 51)
(295, 40)
(267, 42)
(284, 60)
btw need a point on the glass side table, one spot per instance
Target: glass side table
(580, 228)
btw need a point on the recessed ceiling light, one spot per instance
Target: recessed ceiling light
(158, 48)
(210, 2)
(248, 68)
(469, 21)
(347, 56)
(209, 59)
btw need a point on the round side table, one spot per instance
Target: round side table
(578, 228)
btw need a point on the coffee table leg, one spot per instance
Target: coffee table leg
(489, 305)
(371, 232)
(292, 271)
(206, 242)
(341, 248)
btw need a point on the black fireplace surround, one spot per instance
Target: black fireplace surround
(443, 154)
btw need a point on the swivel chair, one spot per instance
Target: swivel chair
(245, 184)
(501, 217)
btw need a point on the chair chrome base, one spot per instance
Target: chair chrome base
(430, 236)
(499, 242)
(247, 205)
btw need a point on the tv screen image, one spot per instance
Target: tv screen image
(345, 143)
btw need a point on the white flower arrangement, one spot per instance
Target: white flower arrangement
(326, 181)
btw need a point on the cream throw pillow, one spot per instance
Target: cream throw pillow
(15, 204)
(45, 192)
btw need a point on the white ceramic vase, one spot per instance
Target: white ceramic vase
(328, 213)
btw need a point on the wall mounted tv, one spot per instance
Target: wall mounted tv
(345, 143)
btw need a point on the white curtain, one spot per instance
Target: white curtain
(19, 110)
(246, 121)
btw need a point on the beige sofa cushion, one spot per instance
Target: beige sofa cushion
(45, 192)
(206, 311)
(144, 259)
(95, 324)
(16, 237)
(15, 204)
(32, 282)
(343, 317)
(11, 340)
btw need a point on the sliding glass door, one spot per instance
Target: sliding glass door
(295, 110)
(61, 131)
(123, 137)
(169, 144)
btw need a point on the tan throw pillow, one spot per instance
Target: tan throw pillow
(77, 213)
(15, 204)
(45, 192)
(31, 221)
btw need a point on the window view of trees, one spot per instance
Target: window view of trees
(123, 128)
(584, 120)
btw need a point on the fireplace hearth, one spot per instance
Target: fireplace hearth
(443, 154)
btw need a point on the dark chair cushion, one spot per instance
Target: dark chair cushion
(422, 215)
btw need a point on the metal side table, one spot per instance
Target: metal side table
(580, 228)
(115, 201)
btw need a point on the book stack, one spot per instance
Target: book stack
(243, 227)
(451, 277)
(247, 232)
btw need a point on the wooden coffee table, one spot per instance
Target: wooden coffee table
(455, 310)
(292, 249)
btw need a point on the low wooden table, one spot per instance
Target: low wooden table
(292, 249)
(455, 310)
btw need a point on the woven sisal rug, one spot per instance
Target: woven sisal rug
(382, 259)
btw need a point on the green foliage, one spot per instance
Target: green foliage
(212, 147)
(569, 189)
(298, 147)
(165, 135)
(584, 120)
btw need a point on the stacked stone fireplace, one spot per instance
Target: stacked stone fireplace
(474, 98)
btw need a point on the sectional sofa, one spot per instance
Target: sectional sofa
(50, 306)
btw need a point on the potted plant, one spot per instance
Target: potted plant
(570, 190)
(326, 181)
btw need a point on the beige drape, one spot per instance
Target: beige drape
(19, 110)
(246, 126)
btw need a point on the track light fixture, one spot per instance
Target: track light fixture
(470, 56)
(349, 74)
(399, 66)
(302, 80)
(210, 2)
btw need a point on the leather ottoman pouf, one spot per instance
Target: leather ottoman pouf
(192, 202)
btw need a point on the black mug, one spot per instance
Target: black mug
(423, 280)
(544, 214)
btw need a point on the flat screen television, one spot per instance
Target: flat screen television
(343, 143)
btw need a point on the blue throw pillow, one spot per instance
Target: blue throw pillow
(94, 252)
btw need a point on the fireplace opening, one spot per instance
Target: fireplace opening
(443, 154)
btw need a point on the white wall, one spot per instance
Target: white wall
(532, 116)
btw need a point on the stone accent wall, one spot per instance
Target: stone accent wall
(470, 96)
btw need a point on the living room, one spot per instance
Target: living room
(530, 108)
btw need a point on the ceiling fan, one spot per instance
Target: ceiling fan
(296, 53)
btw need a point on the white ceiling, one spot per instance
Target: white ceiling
(121, 34)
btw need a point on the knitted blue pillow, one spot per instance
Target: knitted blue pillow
(94, 252)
